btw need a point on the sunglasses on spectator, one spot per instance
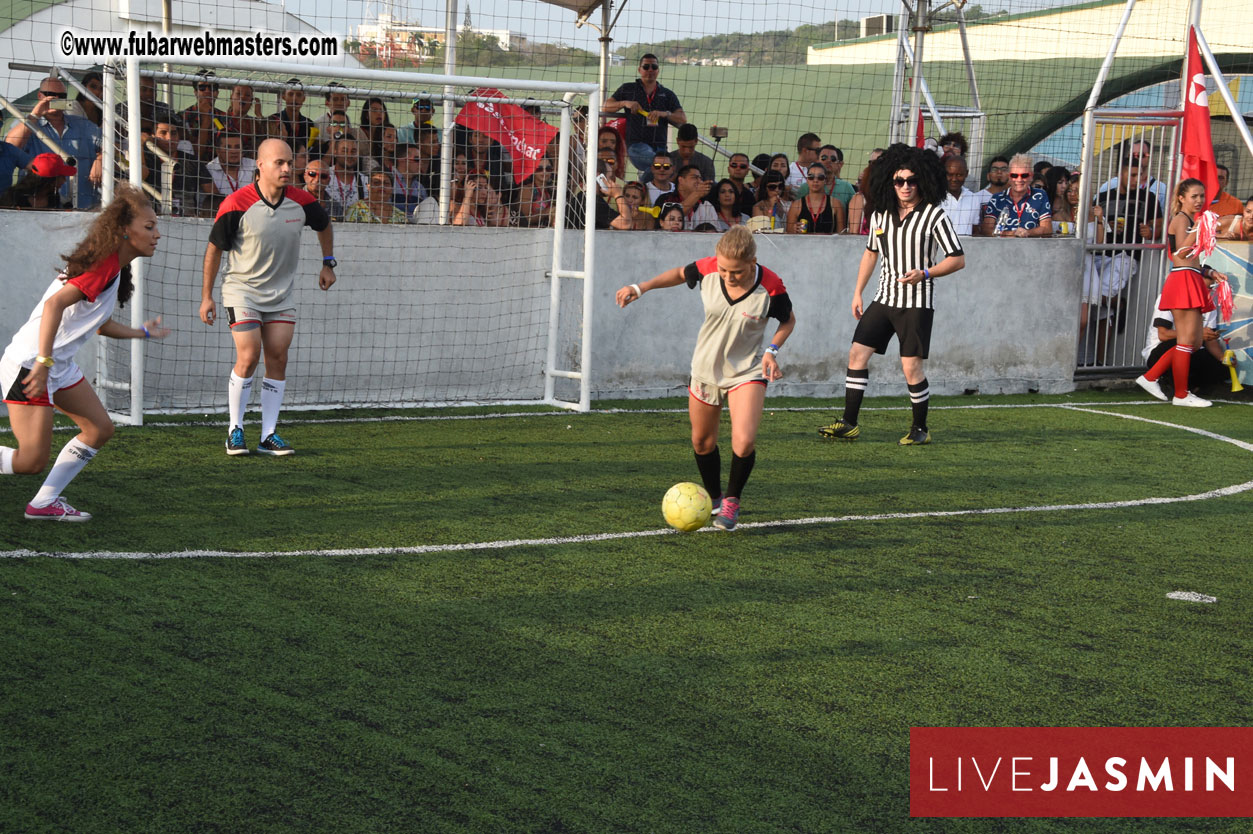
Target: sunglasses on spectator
(1021, 176)
(662, 166)
(817, 178)
(47, 94)
(738, 165)
(649, 66)
(317, 175)
(774, 186)
(815, 148)
(830, 158)
(901, 182)
(205, 87)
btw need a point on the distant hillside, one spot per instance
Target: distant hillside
(754, 49)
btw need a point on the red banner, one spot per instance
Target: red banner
(523, 135)
(1197, 147)
(1081, 772)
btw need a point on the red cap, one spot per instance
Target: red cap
(51, 165)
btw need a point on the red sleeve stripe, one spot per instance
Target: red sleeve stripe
(95, 280)
(772, 282)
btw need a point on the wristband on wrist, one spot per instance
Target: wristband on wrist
(926, 273)
(144, 328)
(773, 350)
(638, 292)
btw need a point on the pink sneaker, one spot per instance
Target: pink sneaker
(58, 510)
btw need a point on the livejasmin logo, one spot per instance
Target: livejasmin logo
(1149, 778)
(1081, 771)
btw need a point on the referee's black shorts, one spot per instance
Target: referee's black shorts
(910, 325)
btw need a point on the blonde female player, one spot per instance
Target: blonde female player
(728, 365)
(37, 371)
(1185, 294)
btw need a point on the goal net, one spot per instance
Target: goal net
(474, 292)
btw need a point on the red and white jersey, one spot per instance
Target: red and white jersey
(78, 322)
(263, 242)
(728, 347)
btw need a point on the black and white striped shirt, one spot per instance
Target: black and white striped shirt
(912, 243)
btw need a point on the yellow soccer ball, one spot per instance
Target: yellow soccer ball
(687, 507)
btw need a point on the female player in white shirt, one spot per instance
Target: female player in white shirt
(728, 365)
(37, 370)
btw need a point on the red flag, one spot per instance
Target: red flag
(523, 135)
(921, 138)
(1197, 148)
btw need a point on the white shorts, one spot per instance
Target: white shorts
(63, 375)
(1106, 275)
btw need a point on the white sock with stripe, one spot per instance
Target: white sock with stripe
(238, 392)
(6, 460)
(271, 404)
(74, 456)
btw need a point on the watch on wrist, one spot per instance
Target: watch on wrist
(46, 361)
(330, 261)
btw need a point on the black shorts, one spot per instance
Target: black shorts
(910, 325)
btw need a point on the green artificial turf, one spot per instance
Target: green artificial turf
(758, 681)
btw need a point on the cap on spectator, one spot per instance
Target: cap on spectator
(687, 132)
(294, 84)
(51, 165)
(207, 76)
(423, 103)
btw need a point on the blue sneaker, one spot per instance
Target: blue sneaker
(275, 445)
(235, 444)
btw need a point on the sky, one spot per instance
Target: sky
(638, 22)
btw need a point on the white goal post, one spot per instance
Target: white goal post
(420, 314)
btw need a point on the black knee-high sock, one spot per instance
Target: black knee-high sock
(710, 467)
(855, 383)
(919, 396)
(741, 468)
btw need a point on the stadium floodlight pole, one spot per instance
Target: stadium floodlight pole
(920, 31)
(932, 107)
(1087, 184)
(898, 75)
(1208, 58)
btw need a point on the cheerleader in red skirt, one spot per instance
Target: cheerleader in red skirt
(1186, 295)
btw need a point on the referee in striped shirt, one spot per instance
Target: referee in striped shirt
(910, 232)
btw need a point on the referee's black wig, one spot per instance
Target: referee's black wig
(926, 166)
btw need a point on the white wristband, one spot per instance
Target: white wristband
(638, 292)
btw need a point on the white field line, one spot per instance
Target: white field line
(1221, 492)
(422, 418)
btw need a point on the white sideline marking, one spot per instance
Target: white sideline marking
(1191, 596)
(1221, 492)
(501, 415)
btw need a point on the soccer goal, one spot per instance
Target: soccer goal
(424, 312)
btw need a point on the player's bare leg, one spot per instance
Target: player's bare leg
(81, 405)
(745, 404)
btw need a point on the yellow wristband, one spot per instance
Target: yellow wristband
(46, 361)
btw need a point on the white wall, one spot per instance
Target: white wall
(404, 317)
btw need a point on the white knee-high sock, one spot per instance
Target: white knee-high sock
(6, 460)
(239, 391)
(271, 404)
(74, 456)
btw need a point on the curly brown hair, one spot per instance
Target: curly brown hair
(104, 236)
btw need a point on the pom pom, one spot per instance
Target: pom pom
(1206, 233)
(1225, 302)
